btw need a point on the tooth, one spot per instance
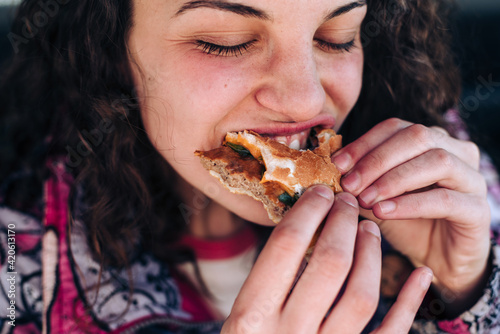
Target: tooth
(295, 144)
(282, 142)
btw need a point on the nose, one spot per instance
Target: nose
(292, 84)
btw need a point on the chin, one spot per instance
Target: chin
(248, 209)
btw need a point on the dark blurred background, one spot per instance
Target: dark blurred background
(477, 42)
(476, 32)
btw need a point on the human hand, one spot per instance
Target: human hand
(347, 254)
(430, 200)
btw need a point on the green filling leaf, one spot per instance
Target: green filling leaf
(239, 149)
(286, 199)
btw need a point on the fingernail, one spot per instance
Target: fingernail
(426, 278)
(369, 195)
(349, 199)
(371, 228)
(323, 191)
(351, 182)
(343, 162)
(387, 206)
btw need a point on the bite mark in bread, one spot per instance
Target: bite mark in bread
(271, 172)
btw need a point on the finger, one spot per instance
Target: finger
(439, 203)
(360, 299)
(272, 276)
(401, 315)
(435, 167)
(328, 267)
(406, 144)
(348, 156)
(438, 128)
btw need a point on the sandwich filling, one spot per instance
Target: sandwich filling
(294, 170)
(272, 172)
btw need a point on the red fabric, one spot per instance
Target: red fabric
(221, 249)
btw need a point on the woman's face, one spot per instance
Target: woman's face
(280, 67)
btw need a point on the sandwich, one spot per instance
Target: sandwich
(272, 172)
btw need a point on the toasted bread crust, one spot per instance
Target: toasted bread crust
(273, 168)
(242, 175)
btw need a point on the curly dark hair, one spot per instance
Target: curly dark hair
(410, 71)
(68, 91)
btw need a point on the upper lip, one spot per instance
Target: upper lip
(283, 129)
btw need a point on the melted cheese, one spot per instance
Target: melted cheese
(281, 170)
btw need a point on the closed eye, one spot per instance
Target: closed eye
(240, 49)
(344, 47)
(224, 50)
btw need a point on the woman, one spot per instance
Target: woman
(122, 94)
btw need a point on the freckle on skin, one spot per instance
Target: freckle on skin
(225, 85)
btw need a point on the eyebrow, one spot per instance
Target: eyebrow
(248, 11)
(344, 9)
(237, 8)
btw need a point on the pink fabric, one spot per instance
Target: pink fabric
(26, 242)
(456, 326)
(67, 313)
(26, 329)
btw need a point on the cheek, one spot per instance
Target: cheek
(191, 92)
(195, 80)
(343, 84)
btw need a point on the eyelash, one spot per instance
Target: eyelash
(343, 47)
(224, 50)
(237, 50)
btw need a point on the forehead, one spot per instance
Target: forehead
(263, 9)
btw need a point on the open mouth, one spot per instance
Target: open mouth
(298, 136)
(296, 141)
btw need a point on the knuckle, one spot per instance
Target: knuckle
(394, 123)
(444, 158)
(442, 131)
(366, 302)
(287, 239)
(385, 184)
(446, 199)
(334, 261)
(375, 161)
(403, 171)
(472, 152)
(420, 134)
